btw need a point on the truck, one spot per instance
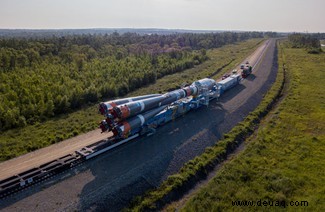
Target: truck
(228, 83)
(246, 71)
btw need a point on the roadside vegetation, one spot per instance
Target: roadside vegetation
(310, 42)
(284, 161)
(38, 133)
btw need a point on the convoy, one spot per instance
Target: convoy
(134, 117)
(142, 115)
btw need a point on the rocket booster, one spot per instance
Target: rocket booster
(118, 111)
(137, 107)
(124, 128)
(104, 107)
(133, 108)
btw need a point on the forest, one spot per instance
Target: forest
(44, 77)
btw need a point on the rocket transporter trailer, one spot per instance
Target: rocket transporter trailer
(128, 118)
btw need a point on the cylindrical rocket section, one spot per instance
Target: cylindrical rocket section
(129, 109)
(125, 115)
(104, 107)
(133, 108)
(123, 129)
(191, 90)
(174, 96)
(204, 84)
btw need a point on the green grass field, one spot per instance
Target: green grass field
(20, 141)
(285, 160)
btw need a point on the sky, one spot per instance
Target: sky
(248, 15)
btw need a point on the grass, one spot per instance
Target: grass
(285, 161)
(196, 169)
(20, 141)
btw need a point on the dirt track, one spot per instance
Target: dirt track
(112, 179)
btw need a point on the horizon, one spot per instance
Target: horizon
(147, 28)
(223, 15)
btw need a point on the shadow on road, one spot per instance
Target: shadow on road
(142, 164)
(228, 95)
(39, 187)
(145, 162)
(251, 77)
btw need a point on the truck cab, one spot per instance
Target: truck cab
(246, 71)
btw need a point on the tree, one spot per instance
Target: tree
(49, 110)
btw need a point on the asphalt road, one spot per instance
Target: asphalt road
(111, 180)
(47, 154)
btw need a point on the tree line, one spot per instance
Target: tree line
(311, 42)
(44, 77)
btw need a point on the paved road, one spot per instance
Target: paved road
(47, 154)
(111, 180)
